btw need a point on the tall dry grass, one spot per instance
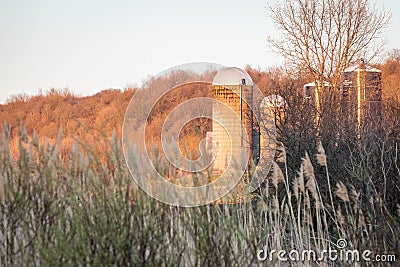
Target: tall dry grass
(90, 212)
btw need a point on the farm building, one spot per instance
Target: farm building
(361, 95)
(233, 131)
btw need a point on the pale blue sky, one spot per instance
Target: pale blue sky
(92, 45)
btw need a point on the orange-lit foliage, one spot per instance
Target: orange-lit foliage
(191, 134)
(89, 118)
(391, 93)
(194, 130)
(92, 119)
(391, 77)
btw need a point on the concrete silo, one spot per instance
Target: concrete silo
(361, 95)
(313, 92)
(232, 132)
(277, 105)
(273, 106)
(314, 95)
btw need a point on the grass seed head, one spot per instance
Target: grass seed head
(341, 192)
(281, 153)
(308, 168)
(321, 156)
(277, 176)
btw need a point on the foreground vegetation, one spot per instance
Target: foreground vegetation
(89, 212)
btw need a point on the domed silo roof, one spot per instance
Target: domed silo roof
(232, 76)
(273, 101)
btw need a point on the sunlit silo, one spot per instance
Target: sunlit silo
(314, 93)
(277, 104)
(234, 88)
(273, 106)
(361, 94)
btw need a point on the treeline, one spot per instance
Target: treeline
(89, 119)
(93, 118)
(45, 113)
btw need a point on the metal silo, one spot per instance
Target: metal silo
(232, 132)
(361, 94)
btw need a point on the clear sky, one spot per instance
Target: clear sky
(92, 45)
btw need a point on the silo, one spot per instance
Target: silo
(314, 95)
(273, 106)
(277, 105)
(233, 87)
(361, 95)
(311, 92)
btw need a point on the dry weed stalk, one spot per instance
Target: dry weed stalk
(342, 192)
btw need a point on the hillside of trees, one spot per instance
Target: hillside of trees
(91, 119)
(87, 118)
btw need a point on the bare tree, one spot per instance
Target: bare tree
(322, 37)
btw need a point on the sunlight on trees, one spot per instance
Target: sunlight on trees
(323, 37)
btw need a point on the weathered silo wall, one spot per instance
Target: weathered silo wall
(272, 109)
(277, 104)
(314, 94)
(361, 95)
(232, 132)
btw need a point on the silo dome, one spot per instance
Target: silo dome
(273, 101)
(232, 76)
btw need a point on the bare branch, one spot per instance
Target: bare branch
(324, 36)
